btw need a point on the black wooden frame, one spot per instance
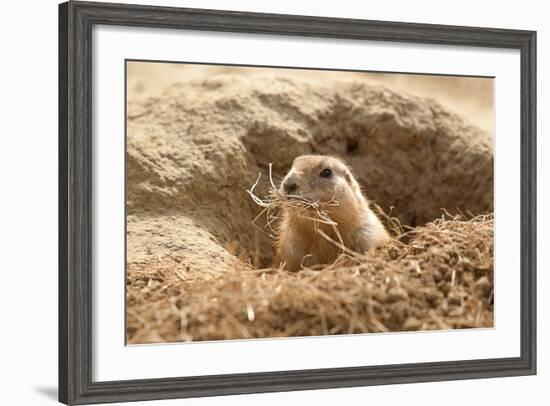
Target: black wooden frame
(76, 20)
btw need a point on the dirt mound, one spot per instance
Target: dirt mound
(193, 151)
(193, 254)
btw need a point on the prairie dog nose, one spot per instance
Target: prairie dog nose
(290, 186)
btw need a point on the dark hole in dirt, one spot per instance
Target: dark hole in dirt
(352, 147)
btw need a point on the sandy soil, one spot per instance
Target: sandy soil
(197, 138)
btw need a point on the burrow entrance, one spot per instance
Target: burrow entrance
(192, 158)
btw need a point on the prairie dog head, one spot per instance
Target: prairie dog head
(323, 179)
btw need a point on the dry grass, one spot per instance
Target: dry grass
(315, 211)
(438, 276)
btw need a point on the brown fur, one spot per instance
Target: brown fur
(301, 241)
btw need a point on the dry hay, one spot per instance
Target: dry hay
(437, 276)
(315, 211)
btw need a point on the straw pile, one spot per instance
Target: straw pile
(441, 278)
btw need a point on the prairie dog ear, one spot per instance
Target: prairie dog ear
(348, 177)
(352, 182)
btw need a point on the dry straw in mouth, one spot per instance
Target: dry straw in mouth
(274, 204)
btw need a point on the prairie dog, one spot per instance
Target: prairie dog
(329, 182)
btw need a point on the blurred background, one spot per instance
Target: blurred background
(471, 97)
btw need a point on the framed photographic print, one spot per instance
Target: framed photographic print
(257, 202)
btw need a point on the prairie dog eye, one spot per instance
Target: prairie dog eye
(326, 173)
